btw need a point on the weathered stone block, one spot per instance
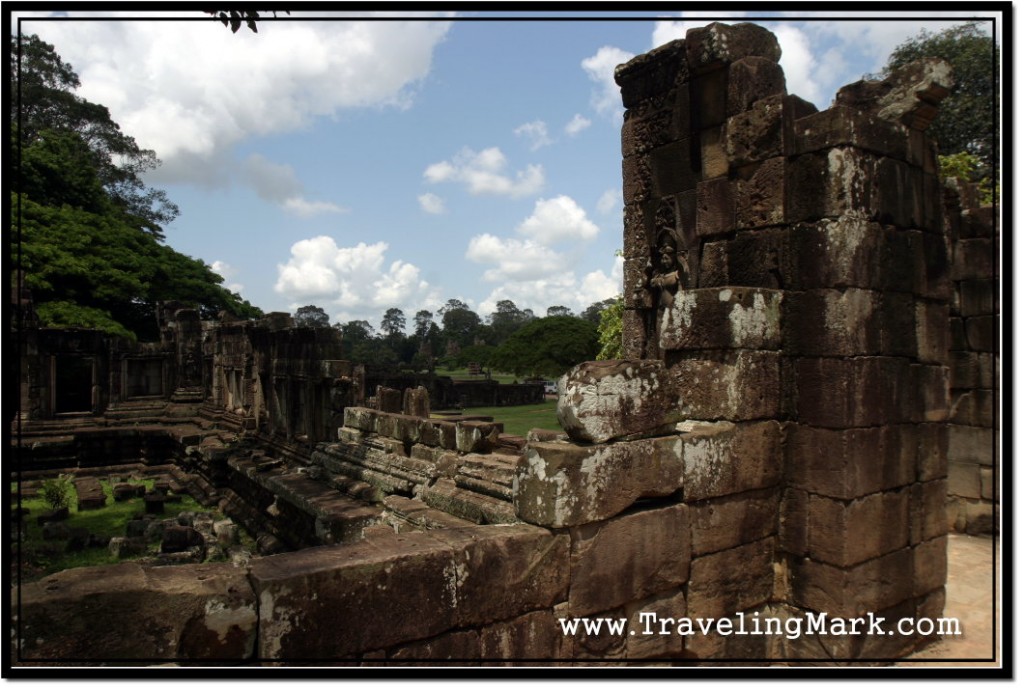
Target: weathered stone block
(193, 612)
(533, 636)
(971, 445)
(932, 332)
(714, 161)
(793, 513)
(965, 480)
(977, 296)
(713, 318)
(909, 96)
(649, 642)
(477, 437)
(981, 333)
(303, 595)
(636, 179)
(559, 484)
(752, 79)
(416, 402)
(847, 533)
(362, 419)
(716, 207)
(672, 170)
(644, 129)
(849, 592)
(628, 558)
(975, 407)
(446, 496)
(707, 92)
(842, 125)
(928, 510)
(744, 385)
(851, 463)
(850, 322)
(389, 400)
(716, 44)
(868, 391)
(616, 399)
(731, 581)
(634, 334)
(756, 134)
(761, 197)
(930, 565)
(500, 572)
(849, 188)
(977, 222)
(806, 188)
(636, 273)
(974, 258)
(457, 645)
(651, 74)
(738, 519)
(723, 458)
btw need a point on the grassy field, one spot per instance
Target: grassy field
(521, 419)
(41, 557)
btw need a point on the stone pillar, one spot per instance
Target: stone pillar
(789, 268)
(974, 360)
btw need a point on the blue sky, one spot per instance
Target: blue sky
(360, 165)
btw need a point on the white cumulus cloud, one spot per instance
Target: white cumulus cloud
(536, 133)
(576, 125)
(351, 282)
(193, 90)
(609, 200)
(485, 172)
(431, 203)
(556, 220)
(278, 184)
(600, 68)
(227, 272)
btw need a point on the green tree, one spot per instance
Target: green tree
(95, 271)
(459, 324)
(559, 311)
(547, 347)
(86, 232)
(609, 330)
(505, 320)
(311, 316)
(46, 113)
(393, 323)
(966, 118)
(593, 313)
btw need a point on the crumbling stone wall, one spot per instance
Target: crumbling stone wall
(974, 359)
(774, 445)
(790, 266)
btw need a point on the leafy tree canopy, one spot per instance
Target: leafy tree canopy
(86, 232)
(393, 323)
(966, 118)
(593, 313)
(547, 347)
(55, 126)
(311, 315)
(609, 330)
(92, 270)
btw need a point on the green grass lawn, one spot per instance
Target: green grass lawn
(520, 419)
(41, 557)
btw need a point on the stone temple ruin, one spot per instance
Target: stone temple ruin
(805, 411)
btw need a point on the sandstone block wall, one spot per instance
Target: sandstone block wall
(974, 363)
(776, 444)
